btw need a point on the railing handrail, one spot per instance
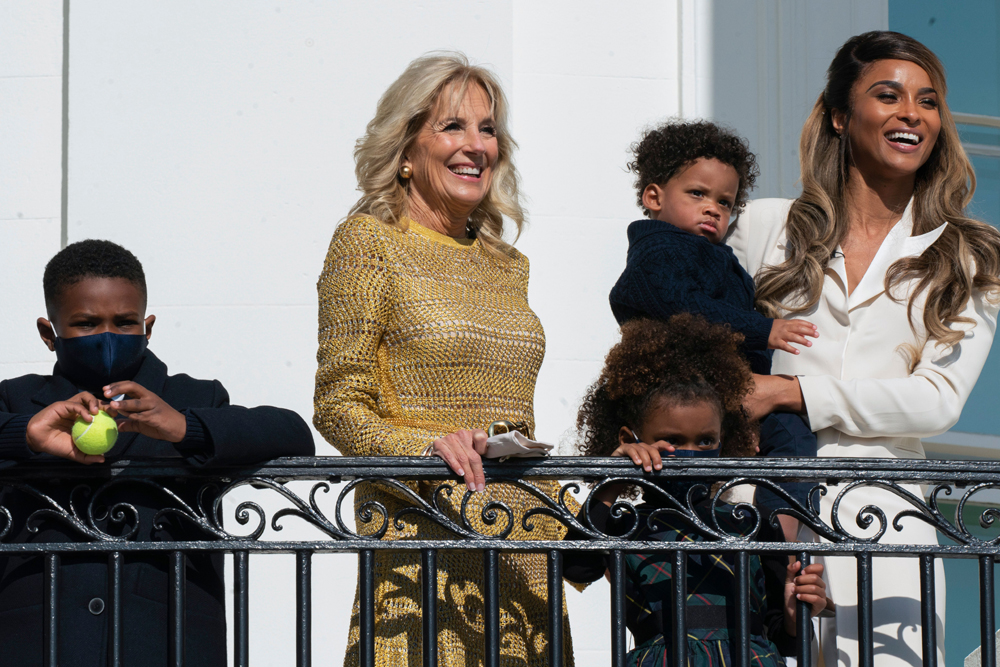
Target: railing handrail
(418, 468)
(833, 477)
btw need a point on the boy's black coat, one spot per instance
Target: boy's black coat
(232, 436)
(671, 271)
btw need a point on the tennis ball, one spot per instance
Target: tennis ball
(98, 436)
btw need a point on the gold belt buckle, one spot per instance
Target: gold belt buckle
(502, 426)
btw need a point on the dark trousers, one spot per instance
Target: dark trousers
(783, 434)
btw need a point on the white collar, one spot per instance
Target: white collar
(898, 244)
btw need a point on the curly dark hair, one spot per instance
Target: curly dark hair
(89, 259)
(665, 150)
(683, 360)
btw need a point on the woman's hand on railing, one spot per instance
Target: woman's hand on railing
(807, 587)
(463, 451)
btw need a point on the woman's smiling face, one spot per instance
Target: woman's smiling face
(454, 156)
(894, 121)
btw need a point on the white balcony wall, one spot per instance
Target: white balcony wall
(31, 38)
(214, 140)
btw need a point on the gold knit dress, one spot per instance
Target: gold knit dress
(421, 335)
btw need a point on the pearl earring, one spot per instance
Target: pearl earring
(405, 172)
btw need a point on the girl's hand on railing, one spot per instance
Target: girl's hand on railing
(807, 587)
(463, 451)
(647, 456)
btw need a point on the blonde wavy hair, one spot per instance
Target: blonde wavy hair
(399, 117)
(966, 257)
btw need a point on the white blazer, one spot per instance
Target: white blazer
(860, 397)
(862, 401)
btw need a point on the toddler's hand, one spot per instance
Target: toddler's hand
(145, 413)
(784, 332)
(647, 456)
(807, 587)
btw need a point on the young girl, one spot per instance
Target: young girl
(676, 388)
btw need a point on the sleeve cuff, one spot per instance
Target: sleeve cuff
(13, 438)
(817, 400)
(761, 332)
(197, 441)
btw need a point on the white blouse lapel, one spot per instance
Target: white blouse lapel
(897, 245)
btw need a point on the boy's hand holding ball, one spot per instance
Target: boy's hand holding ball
(50, 430)
(144, 412)
(79, 430)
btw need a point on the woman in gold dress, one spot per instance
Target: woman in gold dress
(425, 338)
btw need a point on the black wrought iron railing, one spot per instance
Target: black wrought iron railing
(91, 508)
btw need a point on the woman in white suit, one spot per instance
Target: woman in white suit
(903, 287)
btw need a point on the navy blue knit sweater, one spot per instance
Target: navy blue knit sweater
(670, 271)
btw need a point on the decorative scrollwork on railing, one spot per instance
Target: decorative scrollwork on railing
(111, 508)
(85, 523)
(986, 518)
(308, 511)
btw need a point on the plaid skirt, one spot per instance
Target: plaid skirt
(711, 586)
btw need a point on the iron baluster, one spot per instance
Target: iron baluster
(366, 591)
(988, 655)
(429, 593)
(303, 600)
(618, 608)
(50, 611)
(241, 608)
(928, 611)
(491, 605)
(115, 609)
(555, 609)
(866, 639)
(175, 644)
(679, 621)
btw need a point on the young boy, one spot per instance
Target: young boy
(95, 298)
(691, 178)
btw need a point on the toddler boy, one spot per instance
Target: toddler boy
(691, 178)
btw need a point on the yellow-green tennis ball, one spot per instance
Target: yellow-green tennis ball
(98, 436)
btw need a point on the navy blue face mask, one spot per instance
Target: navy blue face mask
(100, 359)
(686, 453)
